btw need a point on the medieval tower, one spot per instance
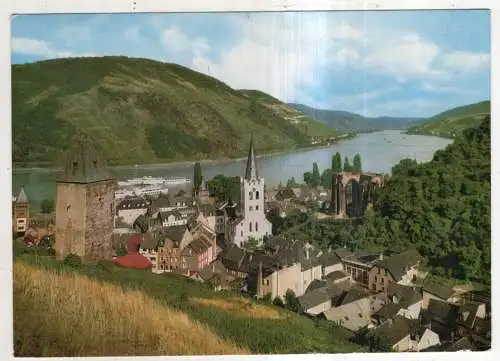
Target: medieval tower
(85, 205)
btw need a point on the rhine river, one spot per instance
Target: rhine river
(379, 151)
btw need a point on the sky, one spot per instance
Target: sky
(383, 63)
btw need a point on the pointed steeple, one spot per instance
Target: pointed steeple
(251, 169)
(22, 197)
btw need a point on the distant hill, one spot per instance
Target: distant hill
(352, 122)
(145, 111)
(452, 122)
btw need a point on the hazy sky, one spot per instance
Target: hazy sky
(399, 63)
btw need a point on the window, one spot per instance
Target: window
(250, 227)
(256, 227)
(256, 208)
(250, 195)
(257, 195)
(250, 208)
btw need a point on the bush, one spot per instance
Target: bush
(267, 297)
(278, 302)
(73, 260)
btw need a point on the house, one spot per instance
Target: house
(20, 213)
(397, 332)
(470, 319)
(400, 268)
(320, 299)
(358, 264)
(352, 310)
(133, 259)
(195, 256)
(232, 258)
(442, 318)
(163, 247)
(172, 218)
(130, 208)
(438, 292)
(424, 339)
(407, 298)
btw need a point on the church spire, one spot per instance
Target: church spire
(251, 169)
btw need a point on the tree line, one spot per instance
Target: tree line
(315, 179)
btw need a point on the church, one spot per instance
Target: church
(248, 220)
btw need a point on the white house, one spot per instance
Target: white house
(173, 218)
(130, 208)
(251, 221)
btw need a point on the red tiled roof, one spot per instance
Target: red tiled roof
(134, 260)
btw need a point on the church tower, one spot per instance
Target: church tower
(85, 205)
(255, 224)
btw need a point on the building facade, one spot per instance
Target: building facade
(20, 213)
(85, 205)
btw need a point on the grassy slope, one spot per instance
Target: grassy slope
(72, 315)
(251, 326)
(452, 122)
(140, 110)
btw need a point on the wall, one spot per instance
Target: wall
(99, 220)
(375, 276)
(130, 215)
(284, 279)
(70, 219)
(307, 276)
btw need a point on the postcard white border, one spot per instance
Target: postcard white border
(7, 8)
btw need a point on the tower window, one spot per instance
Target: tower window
(250, 227)
(250, 208)
(256, 227)
(250, 195)
(257, 195)
(256, 208)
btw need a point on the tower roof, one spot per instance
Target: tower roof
(83, 164)
(251, 169)
(22, 197)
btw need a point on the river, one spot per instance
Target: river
(379, 151)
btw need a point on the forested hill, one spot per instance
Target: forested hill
(453, 121)
(144, 111)
(352, 122)
(442, 207)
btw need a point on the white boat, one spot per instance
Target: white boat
(148, 180)
(152, 190)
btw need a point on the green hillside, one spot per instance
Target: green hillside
(452, 122)
(144, 111)
(441, 207)
(241, 322)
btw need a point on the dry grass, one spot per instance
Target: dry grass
(241, 305)
(71, 315)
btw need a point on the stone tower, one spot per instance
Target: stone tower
(85, 205)
(20, 213)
